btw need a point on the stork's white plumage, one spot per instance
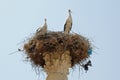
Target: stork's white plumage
(42, 30)
(68, 23)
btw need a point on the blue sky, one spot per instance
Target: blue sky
(98, 20)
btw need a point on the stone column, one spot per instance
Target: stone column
(57, 65)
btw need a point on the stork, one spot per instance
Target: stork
(68, 23)
(42, 30)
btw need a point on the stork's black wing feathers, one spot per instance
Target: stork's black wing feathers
(64, 26)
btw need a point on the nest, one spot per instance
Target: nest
(58, 42)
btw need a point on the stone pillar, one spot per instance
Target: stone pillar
(57, 65)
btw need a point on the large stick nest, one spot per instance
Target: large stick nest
(51, 42)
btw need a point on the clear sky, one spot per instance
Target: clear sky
(98, 20)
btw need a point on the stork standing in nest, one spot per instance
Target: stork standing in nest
(42, 30)
(68, 23)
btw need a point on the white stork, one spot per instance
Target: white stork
(42, 30)
(68, 23)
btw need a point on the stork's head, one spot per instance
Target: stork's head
(45, 19)
(69, 11)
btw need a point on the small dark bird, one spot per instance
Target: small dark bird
(85, 66)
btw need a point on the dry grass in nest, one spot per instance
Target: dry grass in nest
(51, 42)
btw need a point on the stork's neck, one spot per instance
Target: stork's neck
(70, 15)
(45, 23)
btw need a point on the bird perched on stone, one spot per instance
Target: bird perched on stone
(68, 23)
(42, 30)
